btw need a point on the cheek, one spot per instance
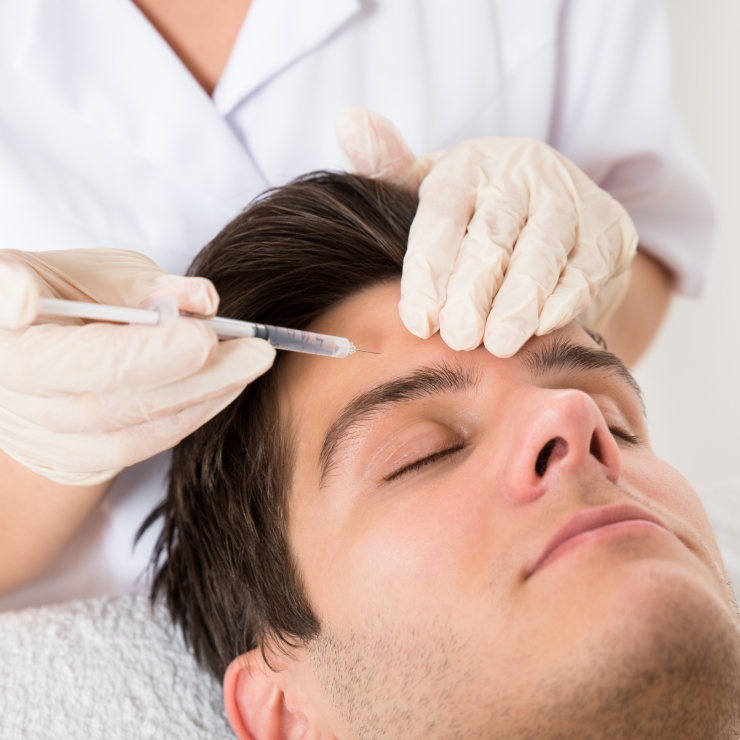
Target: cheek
(655, 480)
(410, 554)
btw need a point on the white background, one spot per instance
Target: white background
(691, 376)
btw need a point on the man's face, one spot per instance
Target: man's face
(491, 546)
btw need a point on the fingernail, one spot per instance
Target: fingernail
(557, 312)
(504, 340)
(267, 350)
(203, 296)
(461, 330)
(19, 298)
(417, 321)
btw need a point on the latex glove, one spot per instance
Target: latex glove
(80, 402)
(510, 238)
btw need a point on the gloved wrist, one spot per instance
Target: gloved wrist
(74, 479)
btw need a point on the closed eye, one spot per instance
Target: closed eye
(624, 435)
(422, 463)
(617, 432)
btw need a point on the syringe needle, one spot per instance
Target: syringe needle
(368, 352)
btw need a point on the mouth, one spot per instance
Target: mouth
(593, 525)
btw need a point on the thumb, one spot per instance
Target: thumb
(118, 277)
(194, 294)
(374, 147)
(19, 295)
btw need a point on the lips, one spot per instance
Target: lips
(588, 521)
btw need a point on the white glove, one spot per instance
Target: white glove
(510, 238)
(80, 402)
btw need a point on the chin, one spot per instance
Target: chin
(663, 662)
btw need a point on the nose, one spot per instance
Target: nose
(564, 432)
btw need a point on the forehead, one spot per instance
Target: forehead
(314, 390)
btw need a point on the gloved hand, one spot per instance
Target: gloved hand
(80, 402)
(510, 239)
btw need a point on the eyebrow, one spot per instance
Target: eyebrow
(559, 355)
(424, 382)
(564, 355)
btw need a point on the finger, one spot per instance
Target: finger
(539, 257)
(127, 278)
(598, 256)
(47, 360)
(479, 270)
(374, 147)
(134, 444)
(447, 200)
(194, 294)
(235, 364)
(606, 302)
(19, 295)
(99, 275)
(93, 452)
(571, 296)
(115, 276)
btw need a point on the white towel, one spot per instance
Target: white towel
(103, 669)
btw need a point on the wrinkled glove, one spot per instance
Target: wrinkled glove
(510, 239)
(80, 402)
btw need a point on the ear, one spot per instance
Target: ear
(374, 148)
(255, 702)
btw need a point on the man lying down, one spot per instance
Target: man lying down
(430, 543)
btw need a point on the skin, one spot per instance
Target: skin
(200, 32)
(37, 519)
(630, 331)
(433, 623)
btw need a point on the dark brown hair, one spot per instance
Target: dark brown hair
(222, 562)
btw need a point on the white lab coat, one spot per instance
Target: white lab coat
(106, 140)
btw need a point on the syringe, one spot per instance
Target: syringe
(164, 311)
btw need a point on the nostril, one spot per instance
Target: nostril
(557, 445)
(595, 448)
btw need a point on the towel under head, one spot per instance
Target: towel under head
(103, 668)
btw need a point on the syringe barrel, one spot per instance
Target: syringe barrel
(164, 311)
(231, 328)
(279, 337)
(305, 341)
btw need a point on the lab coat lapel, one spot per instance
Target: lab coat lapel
(106, 61)
(275, 34)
